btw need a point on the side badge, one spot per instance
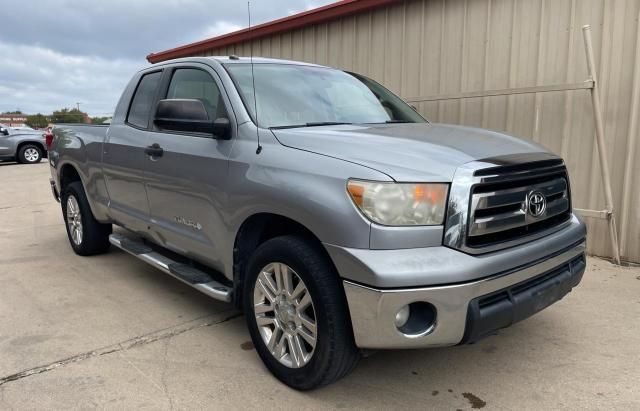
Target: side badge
(188, 223)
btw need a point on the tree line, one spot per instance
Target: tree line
(65, 115)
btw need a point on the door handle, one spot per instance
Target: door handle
(154, 150)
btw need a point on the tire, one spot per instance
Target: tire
(334, 354)
(86, 235)
(30, 154)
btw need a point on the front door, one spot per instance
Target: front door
(186, 182)
(124, 159)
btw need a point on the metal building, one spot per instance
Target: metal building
(451, 57)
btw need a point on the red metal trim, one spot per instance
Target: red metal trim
(321, 14)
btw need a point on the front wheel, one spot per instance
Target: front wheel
(297, 314)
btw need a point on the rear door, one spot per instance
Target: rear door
(186, 185)
(124, 160)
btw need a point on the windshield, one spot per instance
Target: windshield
(299, 96)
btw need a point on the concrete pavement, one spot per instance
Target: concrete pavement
(112, 332)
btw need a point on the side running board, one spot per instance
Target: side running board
(189, 275)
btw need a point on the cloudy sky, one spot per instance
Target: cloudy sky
(54, 53)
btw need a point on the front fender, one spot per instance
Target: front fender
(305, 187)
(302, 186)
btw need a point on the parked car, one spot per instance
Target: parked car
(327, 209)
(26, 146)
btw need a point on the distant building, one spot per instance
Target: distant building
(14, 120)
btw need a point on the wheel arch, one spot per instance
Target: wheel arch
(39, 144)
(68, 174)
(257, 229)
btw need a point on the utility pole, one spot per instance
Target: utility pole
(78, 106)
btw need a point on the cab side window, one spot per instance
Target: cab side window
(199, 85)
(140, 107)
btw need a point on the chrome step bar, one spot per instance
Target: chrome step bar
(189, 275)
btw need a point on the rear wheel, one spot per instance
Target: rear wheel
(297, 314)
(86, 235)
(30, 154)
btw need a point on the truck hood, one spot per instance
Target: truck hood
(407, 152)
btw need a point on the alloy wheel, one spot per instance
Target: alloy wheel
(285, 315)
(74, 220)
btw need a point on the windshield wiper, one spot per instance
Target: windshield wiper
(326, 123)
(392, 122)
(313, 124)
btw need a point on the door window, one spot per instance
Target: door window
(143, 99)
(197, 84)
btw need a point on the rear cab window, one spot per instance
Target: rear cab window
(143, 98)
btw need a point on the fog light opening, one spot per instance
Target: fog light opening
(416, 319)
(402, 316)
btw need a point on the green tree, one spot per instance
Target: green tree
(98, 120)
(67, 115)
(37, 121)
(13, 112)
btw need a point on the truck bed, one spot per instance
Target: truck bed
(80, 143)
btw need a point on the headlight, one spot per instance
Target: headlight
(400, 204)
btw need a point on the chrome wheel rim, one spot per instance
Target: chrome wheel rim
(31, 154)
(285, 315)
(74, 220)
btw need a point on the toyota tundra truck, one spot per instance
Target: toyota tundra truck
(324, 207)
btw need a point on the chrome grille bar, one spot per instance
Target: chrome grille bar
(487, 208)
(493, 217)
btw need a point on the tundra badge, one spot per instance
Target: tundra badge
(188, 223)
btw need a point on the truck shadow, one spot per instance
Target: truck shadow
(460, 376)
(15, 163)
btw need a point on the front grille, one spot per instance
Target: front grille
(498, 203)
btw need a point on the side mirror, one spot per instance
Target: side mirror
(183, 115)
(4, 131)
(190, 115)
(222, 128)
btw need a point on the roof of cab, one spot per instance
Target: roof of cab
(233, 60)
(258, 60)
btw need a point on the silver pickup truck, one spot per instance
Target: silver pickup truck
(323, 206)
(26, 146)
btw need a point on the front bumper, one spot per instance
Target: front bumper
(464, 311)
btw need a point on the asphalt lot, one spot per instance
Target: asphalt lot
(112, 332)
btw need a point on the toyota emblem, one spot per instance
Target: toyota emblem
(536, 203)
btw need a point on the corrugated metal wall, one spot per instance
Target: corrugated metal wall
(431, 47)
